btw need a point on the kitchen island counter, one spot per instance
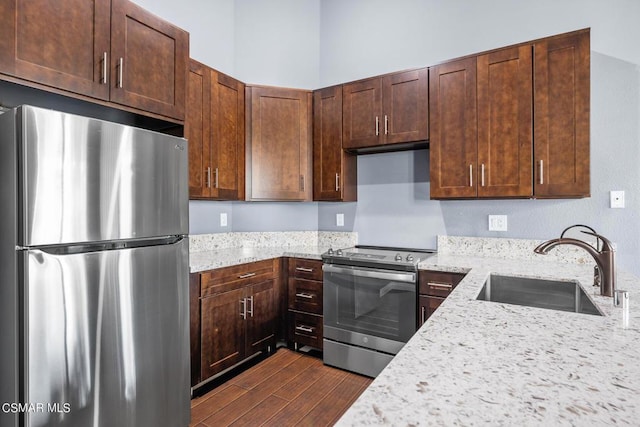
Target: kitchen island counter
(486, 363)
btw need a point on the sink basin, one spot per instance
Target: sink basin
(551, 294)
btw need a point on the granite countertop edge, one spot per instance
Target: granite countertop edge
(209, 260)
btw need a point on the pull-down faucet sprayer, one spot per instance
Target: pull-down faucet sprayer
(604, 258)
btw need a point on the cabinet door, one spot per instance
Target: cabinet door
(262, 316)
(149, 59)
(453, 134)
(334, 171)
(426, 307)
(197, 129)
(227, 138)
(63, 44)
(362, 111)
(561, 99)
(279, 147)
(405, 106)
(505, 123)
(223, 331)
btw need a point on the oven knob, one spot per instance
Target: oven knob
(398, 257)
(339, 252)
(409, 257)
(330, 251)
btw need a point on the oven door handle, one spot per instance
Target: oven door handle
(397, 276)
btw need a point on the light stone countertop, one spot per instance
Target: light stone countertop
(486, 363)
(208, 260)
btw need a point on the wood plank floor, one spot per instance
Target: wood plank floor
(286, 389)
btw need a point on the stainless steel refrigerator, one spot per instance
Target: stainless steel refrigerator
(94, 313)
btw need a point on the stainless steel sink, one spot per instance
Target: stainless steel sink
(551, 294)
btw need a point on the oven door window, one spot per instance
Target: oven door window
(372, 302)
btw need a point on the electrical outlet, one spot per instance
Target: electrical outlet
(617, 199)
(340, 220)
(497, 223)
(223, 219)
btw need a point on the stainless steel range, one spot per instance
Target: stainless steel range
(369, 305)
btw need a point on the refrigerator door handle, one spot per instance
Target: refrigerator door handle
(104, 246)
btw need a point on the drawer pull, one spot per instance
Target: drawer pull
(303, 295)
(302, 328)
(304, 269)
(440, 286)
(244, 276)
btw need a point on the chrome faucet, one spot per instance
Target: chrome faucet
(604, 258)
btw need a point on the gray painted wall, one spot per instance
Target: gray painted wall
(368, 37)
(317, 43)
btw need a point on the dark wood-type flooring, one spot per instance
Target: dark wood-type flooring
(286, 389)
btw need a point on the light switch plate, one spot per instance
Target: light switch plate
(617, 199)
(497, 223)
(340, 220)
(223, 219)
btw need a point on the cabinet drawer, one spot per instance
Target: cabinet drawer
(309, 269)
(305, 295)
(305, 329)
(228, 278)
(438, 283)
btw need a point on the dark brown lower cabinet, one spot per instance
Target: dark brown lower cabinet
(304, 318)
(434, 287)
(234, 315)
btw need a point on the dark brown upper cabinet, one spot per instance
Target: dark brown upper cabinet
(214, 126)
(278, 144)
(504, 123)
(484, 132)
(387, 110)
(453, 139)
(106, 50)
(334, 170)
(561, 119)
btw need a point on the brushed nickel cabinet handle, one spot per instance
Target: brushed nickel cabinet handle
(304, 329)
(250, 311)
(303, 295)
(386, 124)
(423, 314)
(377, 126)
(216, 181)
(470, 175)
(304, 269)
(120, 67)
(301, 182)
(208, 177)
(243, 308)
(482, 174)
(440, 286)
(244, 276)
(103, 78)
(337, 182)
(541, 172)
